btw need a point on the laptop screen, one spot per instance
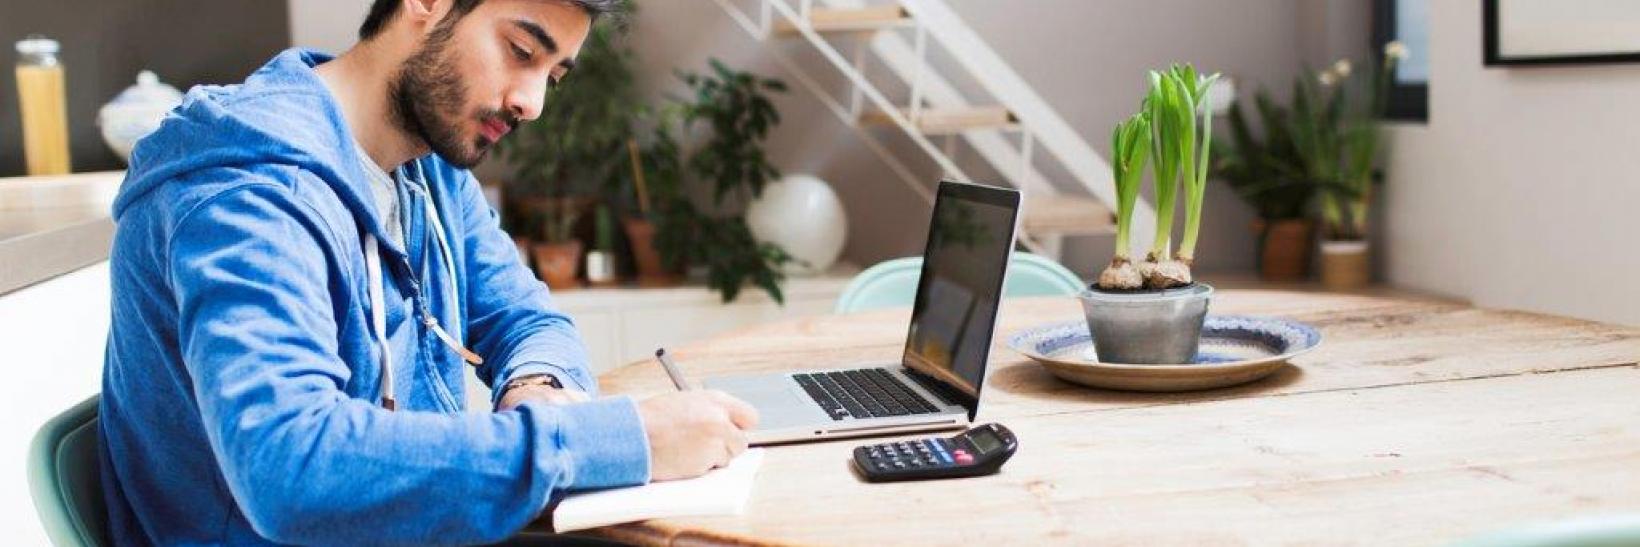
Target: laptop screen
(970, 240)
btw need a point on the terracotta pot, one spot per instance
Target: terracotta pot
(558, 263)
(1345, 265)
(652, 272)
(1284, 248)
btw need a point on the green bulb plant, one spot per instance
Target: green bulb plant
(1130, 149)
(1174, 128)
(1152, 311)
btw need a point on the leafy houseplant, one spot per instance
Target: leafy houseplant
(1269, 173)
(1152, 312)
(1323, 147)
(731, 113)
(558, 255)
(1349, 150)
(1355, 147)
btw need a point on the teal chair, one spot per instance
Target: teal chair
(893, 283)
(1594, 531)
(65, 478)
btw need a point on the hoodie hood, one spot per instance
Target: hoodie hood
(255, 124)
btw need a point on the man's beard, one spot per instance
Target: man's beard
(427, 96)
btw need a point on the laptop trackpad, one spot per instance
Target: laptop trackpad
(779, 402)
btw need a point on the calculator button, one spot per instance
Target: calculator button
(964, 459)
(899, 464)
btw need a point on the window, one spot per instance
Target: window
(1406, 21)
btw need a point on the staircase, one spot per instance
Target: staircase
(1005, 128)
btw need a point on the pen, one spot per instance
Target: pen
(672, 370)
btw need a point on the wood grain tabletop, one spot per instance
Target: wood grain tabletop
(1416, 422)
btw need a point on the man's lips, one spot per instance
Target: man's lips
(494, 128)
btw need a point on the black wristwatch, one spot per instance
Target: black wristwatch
(538, 379)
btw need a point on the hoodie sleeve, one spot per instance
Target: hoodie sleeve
(307, 464)
(511, 320)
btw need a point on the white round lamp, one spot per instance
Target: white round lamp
(802, 215)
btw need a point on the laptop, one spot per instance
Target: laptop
(936, 385)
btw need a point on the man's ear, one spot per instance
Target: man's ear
(424, 13)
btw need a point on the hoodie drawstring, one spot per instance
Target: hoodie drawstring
(378, 307)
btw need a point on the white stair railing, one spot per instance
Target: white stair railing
(1006, 143)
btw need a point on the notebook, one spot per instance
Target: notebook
(723, 491)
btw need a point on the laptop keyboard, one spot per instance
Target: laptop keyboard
(862, 393)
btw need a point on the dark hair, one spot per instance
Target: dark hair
(381, 11)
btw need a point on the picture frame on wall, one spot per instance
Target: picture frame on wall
(1561, 32)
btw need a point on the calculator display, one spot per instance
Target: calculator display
(985, 441)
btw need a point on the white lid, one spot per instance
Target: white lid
(37, 45)
(149, 91)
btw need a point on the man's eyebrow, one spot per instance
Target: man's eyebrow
(545, 39)
(540, 34)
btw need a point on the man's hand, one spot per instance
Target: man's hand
(517, 395)
(691, 432)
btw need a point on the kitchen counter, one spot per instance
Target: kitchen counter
(50, 226)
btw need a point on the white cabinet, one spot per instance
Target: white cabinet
(624, 325)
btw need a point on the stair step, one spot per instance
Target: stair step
(866, 19)
(1068, 215)
(947, 121)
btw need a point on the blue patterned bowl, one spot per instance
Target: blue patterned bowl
(1234, 350)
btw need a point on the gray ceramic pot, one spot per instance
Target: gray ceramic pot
(1154, 327)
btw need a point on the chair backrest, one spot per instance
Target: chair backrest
(65, 478)
(893, 283)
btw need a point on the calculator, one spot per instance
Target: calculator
(978, 451)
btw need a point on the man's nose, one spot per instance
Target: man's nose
(525, 100)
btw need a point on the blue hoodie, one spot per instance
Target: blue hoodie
(240, 393)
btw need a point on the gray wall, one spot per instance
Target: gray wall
(105, 43)
(1521, 190)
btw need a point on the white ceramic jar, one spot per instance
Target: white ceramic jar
(136, 112)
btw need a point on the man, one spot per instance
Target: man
(303, 264)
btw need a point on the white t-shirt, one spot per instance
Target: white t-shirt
(385, 189)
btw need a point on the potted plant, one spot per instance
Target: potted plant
(1268, 172)
(1152, 312)
(1346, 202)
(660, 161)
(558, 253)
(697, 197)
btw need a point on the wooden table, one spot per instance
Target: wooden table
(1415, 422)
